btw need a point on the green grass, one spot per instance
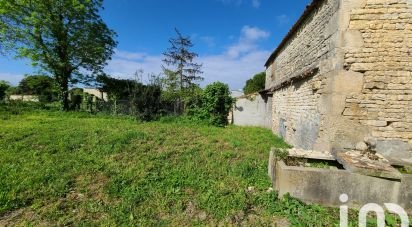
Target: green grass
(73, 168)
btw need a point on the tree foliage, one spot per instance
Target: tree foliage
(214, 104)
(116, 89)
(43, 86)
(65, 38)
(183, 73)
(4, 85)
(144, 99)
(257, 83)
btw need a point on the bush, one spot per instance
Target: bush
(214, 104)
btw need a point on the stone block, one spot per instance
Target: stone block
(394, 150)
(324, 186)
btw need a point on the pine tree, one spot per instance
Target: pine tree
(184, 73)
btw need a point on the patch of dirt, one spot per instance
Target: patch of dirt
(193, 212)
(22, 217)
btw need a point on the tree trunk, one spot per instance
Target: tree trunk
(64, 92)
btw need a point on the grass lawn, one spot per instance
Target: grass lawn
(73, 168)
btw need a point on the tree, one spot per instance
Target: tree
(257, 83)
(43, 86)
(181, 79)
(65, 38)
(4, 85)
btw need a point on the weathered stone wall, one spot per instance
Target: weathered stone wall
(381, 51)
(362, 89)
(296, 113)
(314, 42)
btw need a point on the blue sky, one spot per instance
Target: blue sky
(233, 38)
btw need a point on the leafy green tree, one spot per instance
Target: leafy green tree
(65, 38)
(182, 76)
(4, 85)
(43, 86)
(257, 83)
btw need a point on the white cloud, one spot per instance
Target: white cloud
(233, 71)
(14, 79)
(129, 55)
(253, 33)
(234, 66)
(125, 68)
(247, 41)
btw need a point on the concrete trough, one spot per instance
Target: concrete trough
(324, 186)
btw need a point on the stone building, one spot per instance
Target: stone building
(342, 77)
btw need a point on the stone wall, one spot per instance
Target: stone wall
(313, 42)
(361, 88)
(309, 55)
(297, 117)
(382, 53)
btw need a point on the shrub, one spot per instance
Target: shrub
(214, 104)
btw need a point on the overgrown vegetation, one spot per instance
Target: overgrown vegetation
(142, 100)
(71, 168)
(213, 104)
(257, 83)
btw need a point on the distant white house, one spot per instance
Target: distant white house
(24, 98)
(96, 92)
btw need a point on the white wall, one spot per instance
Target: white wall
(253, 110)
